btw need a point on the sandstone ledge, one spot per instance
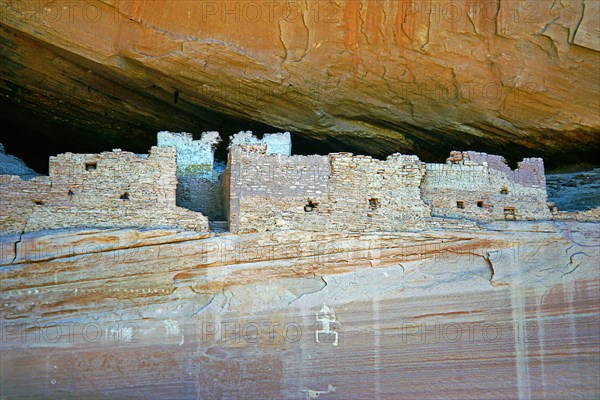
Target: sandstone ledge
(163, 302)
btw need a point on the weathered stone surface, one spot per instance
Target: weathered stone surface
(276, 143)
(111, 189)
(198, 184)
(519, 78)
(164, 314)
(483, 187)
(576, 191)
(266, 189)
(503, 309)
(346, 192)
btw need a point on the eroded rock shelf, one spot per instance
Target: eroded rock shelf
(162, 314)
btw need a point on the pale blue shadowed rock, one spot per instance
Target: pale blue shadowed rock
(577, 191)
(11, 165)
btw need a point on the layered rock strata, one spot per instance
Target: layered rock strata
(162, 314)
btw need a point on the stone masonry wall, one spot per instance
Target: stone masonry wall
(339, 191)
(483, 187)
(199, 186)
(269, 191)
(111, 189)
(201, 195)
(276, 143)
(192, 155)
(369, 194)
(263, 190)
(342, 191)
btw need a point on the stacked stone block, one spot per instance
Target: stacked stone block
(270, 191)
(483, 187)
(111, 189)
(336, 192)
(275, 143)
(266, 189)
(199, 185)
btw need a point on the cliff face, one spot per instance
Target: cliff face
(422, 77)
(509, 313)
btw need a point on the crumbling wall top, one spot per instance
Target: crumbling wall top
(109, 164)
(276, 143)
(190, 151)
(529, 172)
(405, 158)
(475, 158)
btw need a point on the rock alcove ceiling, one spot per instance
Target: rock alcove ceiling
(513, 78)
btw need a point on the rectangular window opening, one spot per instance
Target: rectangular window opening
(509, 214)
(373, 203)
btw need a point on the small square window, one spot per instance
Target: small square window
(460, 204)
(90, 166)
(509, 214)
(480, 204)
(373, 203)
(310, 206)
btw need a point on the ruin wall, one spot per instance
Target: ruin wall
(111, 189)
(202, 195)
(199, 185)
(370, 194)
(483, 187)
(269, 191)
(335, 192)
(276, 143)
(193, 156)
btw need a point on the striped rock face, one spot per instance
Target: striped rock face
(510, 313)
(518, 78)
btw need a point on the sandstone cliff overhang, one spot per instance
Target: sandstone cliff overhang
(373, 77)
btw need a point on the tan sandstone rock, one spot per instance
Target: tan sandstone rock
(162, 314)
(519, 78)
